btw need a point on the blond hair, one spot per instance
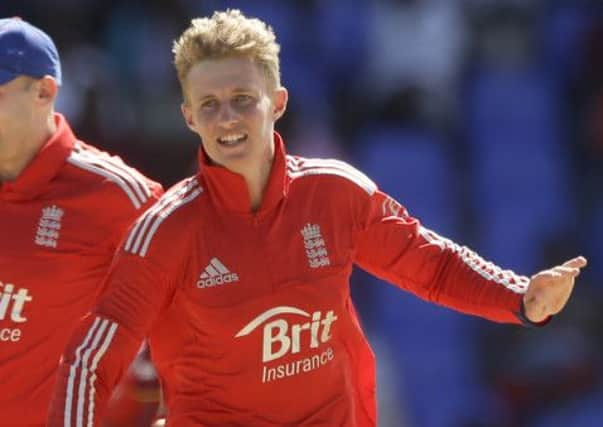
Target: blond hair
(227, 34)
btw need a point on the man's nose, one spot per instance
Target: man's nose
(227, 114)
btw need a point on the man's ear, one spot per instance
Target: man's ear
(188, 116)
(47, 90)
(279, 100)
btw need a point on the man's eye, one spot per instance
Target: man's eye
(242, 99)
(210, 104)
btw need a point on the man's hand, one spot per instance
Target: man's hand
(550, 289)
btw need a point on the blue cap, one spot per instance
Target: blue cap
(26, 50)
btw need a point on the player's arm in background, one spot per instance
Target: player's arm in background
(106, 341)
(140, 283)
(136, 399)
(395, 247)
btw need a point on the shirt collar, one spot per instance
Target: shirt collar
(43, 167)
(229, 189)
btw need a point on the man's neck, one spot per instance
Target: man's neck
(257, 181)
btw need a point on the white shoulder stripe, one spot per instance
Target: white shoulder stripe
(146, 226)
(135, 238)
(76, 160)
(131, 184)
(299, 165)
(118, 166)
(337, 164)
(329, 171)
(303, 167)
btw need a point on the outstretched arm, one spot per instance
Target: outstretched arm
(394, 246)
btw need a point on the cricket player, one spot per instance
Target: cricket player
(240, 274)
(64, 207)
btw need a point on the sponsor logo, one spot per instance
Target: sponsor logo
(281, 338)
(12, 308)
(49, 226)
(314, 244)
(216, 274)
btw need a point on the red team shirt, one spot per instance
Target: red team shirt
(249, 314)
(60, 223)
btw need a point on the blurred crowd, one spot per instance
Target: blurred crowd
(483, 117)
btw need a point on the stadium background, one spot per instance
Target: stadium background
(483, 117)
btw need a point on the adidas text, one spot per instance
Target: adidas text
(219, 280)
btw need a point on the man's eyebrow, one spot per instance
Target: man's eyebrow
(205, 97)
(245, 89)
(239, 89)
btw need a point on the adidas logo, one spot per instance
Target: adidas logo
(215, 274)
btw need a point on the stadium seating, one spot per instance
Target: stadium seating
(520, 174)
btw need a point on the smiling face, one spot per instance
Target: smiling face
(231, 106)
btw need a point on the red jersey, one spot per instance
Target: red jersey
(61, 221)
(249, 313)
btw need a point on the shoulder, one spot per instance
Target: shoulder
(335, 171)
(113, 176)
(165, 219)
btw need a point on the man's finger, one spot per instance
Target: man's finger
(572, 271)
(577, 262)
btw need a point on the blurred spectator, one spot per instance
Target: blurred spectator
(415, 44)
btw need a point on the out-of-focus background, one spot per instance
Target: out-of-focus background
(483, 117)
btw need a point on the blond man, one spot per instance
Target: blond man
(239, 275)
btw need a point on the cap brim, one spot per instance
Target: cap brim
(6, 76)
